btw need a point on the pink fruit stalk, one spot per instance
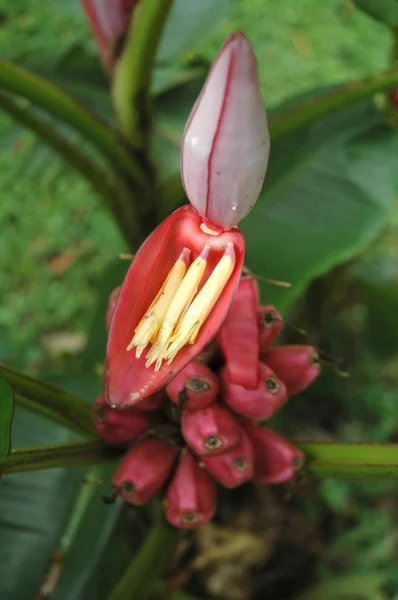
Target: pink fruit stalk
(275, 459)
(170, 309)
(297, 366)
(211, 430)
(259, 403)
(119, 427)
(270, 325)
(238, 337)
(195, 387)
(191, 496)
(234, 467)
(144, 469)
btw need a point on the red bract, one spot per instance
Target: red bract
(127, 378)
(275, 459)
(270, 325)
(144, 469)
(234, 467)
(191, 496)
(109, 20)
(113, 298)
(297, 366)
(210, 431)
(195, 387)
(259, 403)
(119, 427)
(238, 337)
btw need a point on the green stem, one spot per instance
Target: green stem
(132, 78)
(55, 456)
(79, 510)
(313, 108)
(73, 423)
(60, 105)
(322, 459)
(151, 559)
(63, 146)
(55, 403)
(351, 459)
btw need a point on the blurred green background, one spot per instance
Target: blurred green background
(56, 240)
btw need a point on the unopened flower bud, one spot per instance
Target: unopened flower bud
(297, 366)
(233, 467)
(119, 427)
(113, 298)
(275, 459)
(144, 469)
(109, 20)
(238, 337)
(210, 431)
(195, 387)
(270, 325)
(191, 496)
(259, 403)
(225, 146)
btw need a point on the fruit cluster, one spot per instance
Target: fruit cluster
(203, 427)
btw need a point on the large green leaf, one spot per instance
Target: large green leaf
(32, 508)
(376, 278)
(384, 11)
(89, 528)
(330, 208)
(188, 22)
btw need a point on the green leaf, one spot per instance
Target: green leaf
(376, 279)
(384, 11)
(53, 402)
(324, 210)
(54, 456)
(33, 507)
(361, 586)
(167, 77)
(85, 536)
(6, 414)
(188, 23)
(149, 561)
(80, 74)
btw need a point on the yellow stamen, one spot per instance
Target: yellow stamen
(149, 325)
(178, 308)
(188, 329)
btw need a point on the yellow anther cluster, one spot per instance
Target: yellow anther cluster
(178, 312)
